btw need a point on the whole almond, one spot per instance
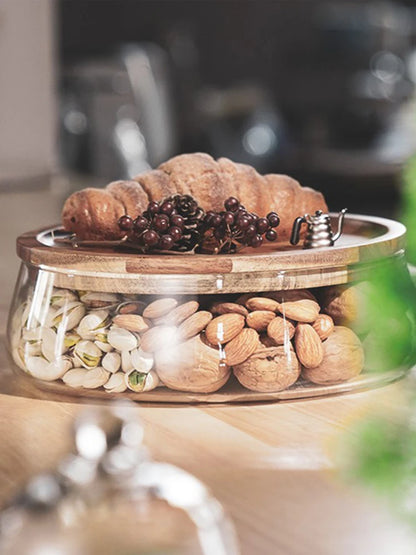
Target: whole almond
(224, 328)
(133, 307)
(159, 308)
(304, 310)
(225, 308)
(242, 299)
(158, 338)
(178, 314)
(308, 346)
(132, 322)
(291, 295)
(260, 319)
(194, 324)
(280, 330)
(241, 347)
(324, 326)
(262, 303)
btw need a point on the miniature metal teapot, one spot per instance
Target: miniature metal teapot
(319, 232)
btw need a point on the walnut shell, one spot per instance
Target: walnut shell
(269, 369)
(346, 304)
(343, 358)
(192, 366)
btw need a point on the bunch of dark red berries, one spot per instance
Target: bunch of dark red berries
(236, 226)
(178, 223)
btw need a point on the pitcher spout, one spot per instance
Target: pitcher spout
(341, 217)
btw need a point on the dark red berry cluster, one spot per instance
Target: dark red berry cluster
(236, 226)
(179, 223)
(160, 227)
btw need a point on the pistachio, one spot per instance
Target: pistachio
(52, 346)
(30, 348)
(93, 324)
(121, 339)
(96, 377)
(87, 354)
(104, 346)
(61, 297)
(75, 377)
(71, 339)
(116, 383)
(68, 316)
(33, 334)
(111, 362)
(141, 361)
(42, 369)
(142, 381)
(126, 363)
(96, 299)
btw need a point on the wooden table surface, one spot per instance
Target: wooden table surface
(271, 465)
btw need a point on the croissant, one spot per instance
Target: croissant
(93, 213)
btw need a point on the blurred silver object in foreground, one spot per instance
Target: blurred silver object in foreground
(108, 497)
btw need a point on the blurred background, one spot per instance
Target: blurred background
(96, 90)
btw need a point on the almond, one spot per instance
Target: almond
(158, 338)
(260, 319)
(133, 307)
(159, 308)
(262, 303)
(304, 310)
(241, 347)
(194, 324)
(242, 299)
(280, 330)
(224, 328)
(308, 346)
(131, 322)
(324, 326)
(225, 308)
(178, 314)
(291, 295)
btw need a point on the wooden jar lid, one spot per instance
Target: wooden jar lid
(366, 240)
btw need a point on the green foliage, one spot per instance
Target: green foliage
(409, 207)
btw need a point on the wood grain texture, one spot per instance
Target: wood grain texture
(366, 240)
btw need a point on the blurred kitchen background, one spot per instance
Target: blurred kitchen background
(96, 90)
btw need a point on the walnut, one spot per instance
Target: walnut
(269, 369)
(343, 358)
(192, 366)
(346, 304)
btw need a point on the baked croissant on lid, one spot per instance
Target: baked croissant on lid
(92, 214)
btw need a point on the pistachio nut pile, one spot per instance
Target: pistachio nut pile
(116, 343)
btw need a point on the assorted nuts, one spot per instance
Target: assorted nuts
(135, 343)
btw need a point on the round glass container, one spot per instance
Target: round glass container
(264, 325)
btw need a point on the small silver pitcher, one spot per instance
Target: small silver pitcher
(319, 232)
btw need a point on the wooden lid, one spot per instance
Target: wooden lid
(365, 240)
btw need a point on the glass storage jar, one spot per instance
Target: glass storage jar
(263, 325)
